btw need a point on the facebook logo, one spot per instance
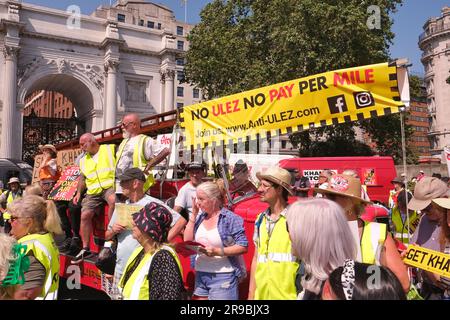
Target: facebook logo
(337, 104)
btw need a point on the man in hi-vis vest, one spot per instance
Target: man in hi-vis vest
(97, 176)
(137, 151)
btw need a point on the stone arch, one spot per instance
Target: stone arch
(82, 83)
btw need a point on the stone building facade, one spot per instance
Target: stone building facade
(123, 58)
(435, 44)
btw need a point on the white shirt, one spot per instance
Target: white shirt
(216, 264)
(184, 198)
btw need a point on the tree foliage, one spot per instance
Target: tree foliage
(245, 44)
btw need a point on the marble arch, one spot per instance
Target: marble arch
(106, 67)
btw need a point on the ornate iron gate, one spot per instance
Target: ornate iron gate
(41, 130)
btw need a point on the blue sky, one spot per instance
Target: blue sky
(408, 21)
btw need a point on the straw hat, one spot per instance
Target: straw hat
(345, 186)
(277, 175)
(14, 179)
(48, 146)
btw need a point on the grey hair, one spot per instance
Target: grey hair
(212, 190)
(321, 238)
(6, 256)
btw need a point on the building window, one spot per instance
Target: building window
(159, 26)
(179, 30)
(150, 24)
(180, 45)
(180, 105)
(180, 61)
(120, 17)
(180, 92)
(141, 23)
(195, 93)
(180, 76)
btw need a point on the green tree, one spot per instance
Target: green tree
(245, 44)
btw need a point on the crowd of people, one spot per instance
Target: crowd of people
(309, 244)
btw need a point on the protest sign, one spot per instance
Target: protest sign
(325, 99)
(64, 159)
(429, 260)
(66, 187)
(124, 212)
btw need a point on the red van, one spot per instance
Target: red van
(375, 172)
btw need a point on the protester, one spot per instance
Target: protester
(376, 244)
(137, 150)
(6, 198)
(34, 223)
(401, 230)
(321, 239)
(444, 241)
(183, 202)
(131, 182)
(153, 271)
(33, 189)
(301, 184)
(240, 184)
(48, 170)
(428, 231)
(274, 268)
(356, 281)
(399, 185)
(12, 264)
(97, 176)
(218, 268)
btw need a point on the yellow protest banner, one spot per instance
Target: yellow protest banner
(429, 260)
(124, 212)
(325, 99)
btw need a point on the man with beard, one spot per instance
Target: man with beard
(137, 151)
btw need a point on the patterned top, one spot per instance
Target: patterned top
(165, 281)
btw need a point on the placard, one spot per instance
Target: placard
(66, 187)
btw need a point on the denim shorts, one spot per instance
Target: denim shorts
(216, 286)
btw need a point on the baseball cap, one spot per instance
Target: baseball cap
(426, 190)
(132, 173)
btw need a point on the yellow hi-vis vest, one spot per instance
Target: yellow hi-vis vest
(45, 251)
(10, 199)
(137, 286)
(139, 160)
(372, 239)
(99, 175)
(277, 267)
(401, 230)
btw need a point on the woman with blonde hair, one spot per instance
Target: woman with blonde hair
(321, 239)
(34, 221)
(218, 266)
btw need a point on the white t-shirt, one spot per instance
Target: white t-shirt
(185, 195)
(216, 264)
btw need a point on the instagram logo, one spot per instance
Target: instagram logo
(363, 99)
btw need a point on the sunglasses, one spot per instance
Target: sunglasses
(14, 218)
